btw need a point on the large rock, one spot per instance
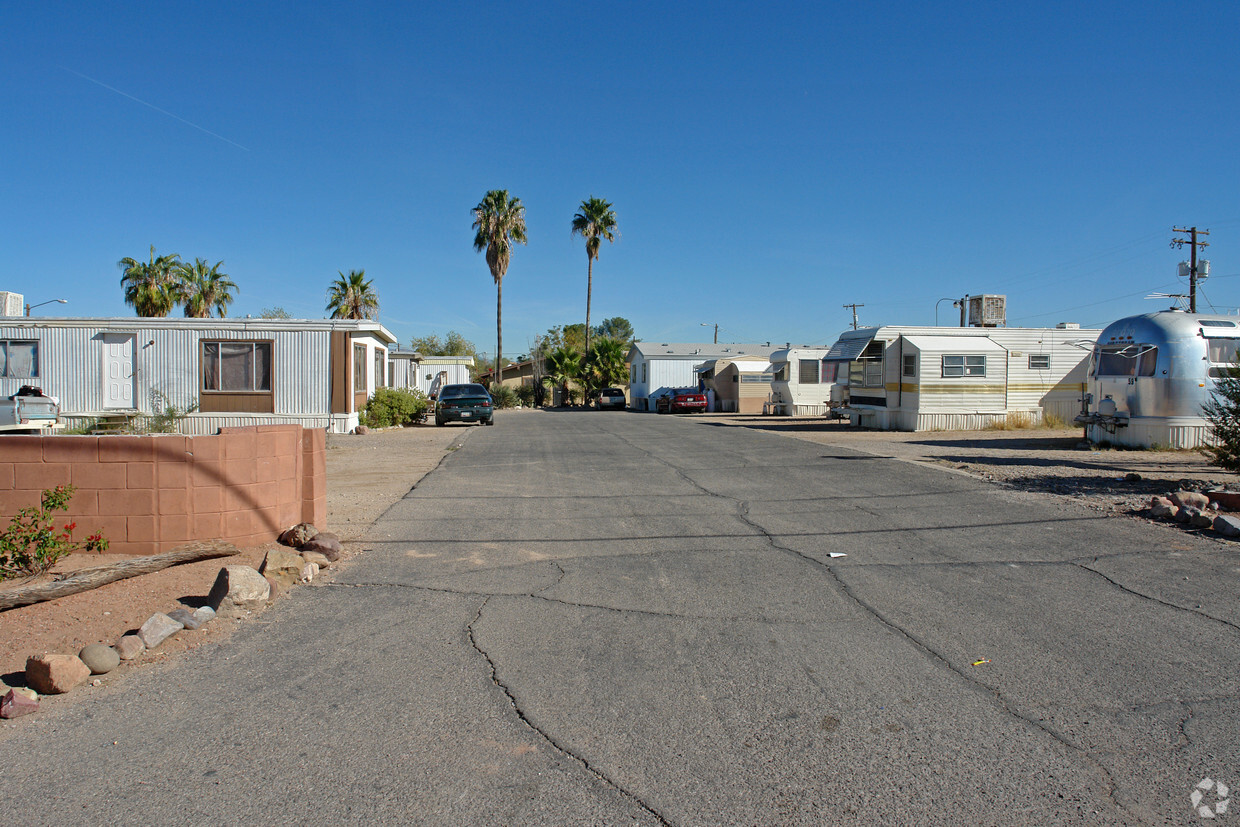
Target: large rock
(328, 547)
(316, 557)
(15, 705)
(1161, 511)
(284, 567)
(1191, 499)
(1202, 519)
(100, 658)
(298, 534)
(237, 590)
(158, 628)
(1227, 525)
(55, 674)
(129, 647)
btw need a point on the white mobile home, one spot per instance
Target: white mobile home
(957, 378)
(737, 385)
(656, 368)
(316, 373)
(801, 387)
(413, 371)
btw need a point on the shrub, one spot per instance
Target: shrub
(31, 544)
(526, 393)
(503, 396)
(1223, 414)
(166, 418)
(394, 406)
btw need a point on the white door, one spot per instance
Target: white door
(118, 370)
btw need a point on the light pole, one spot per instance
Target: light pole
(936, 309)
(30, 307)
(708, 324)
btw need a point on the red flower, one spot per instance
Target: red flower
(70, 526)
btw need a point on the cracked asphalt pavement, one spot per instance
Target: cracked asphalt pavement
(613, 618)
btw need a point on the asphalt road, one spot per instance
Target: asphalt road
(617, 618)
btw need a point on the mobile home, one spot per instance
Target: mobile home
(930, 378)
(801, 387)
(1150, 376)
(657, 368)
(413, 371)
(226, 372)
(736, 385)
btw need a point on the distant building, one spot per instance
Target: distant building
(655, 368)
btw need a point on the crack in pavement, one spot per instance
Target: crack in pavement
(996, 697)
(1158, 600)
(558, 747)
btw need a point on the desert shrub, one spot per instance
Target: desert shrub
(32, 544)
(1223, 414)
(503, 396)
(526, 393)
(394, 406)
(166, 418)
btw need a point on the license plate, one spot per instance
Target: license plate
(466, 414)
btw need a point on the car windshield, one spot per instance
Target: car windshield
(458, 391)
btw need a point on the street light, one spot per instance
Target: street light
(30, 307)
(708, 324)
(936, 309)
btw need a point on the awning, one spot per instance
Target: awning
(848, 349)
(954, 344)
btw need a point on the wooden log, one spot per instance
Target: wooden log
(87, 579)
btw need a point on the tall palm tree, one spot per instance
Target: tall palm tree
(151, 286)
(595, 221)
(352, 297)
(500, 222)
(563, 365)
(204, 289)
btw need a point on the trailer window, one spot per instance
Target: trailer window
(1039, 361)
(957, 366)
(1222, 356)
(236, 367)
(910, 365)
(807, 371)
(1126, 360)
(866, 371)
(19, 359)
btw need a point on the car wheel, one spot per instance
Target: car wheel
(490, 421)
(438, 421)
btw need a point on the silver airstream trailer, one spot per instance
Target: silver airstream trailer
(1150, 375)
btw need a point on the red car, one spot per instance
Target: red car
(681, 402)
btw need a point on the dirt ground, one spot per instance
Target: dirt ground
(366, 474)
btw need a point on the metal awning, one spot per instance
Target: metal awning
(846, 350)
(954, 344)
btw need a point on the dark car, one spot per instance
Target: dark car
(464, 403)
(610, 399)
(682, 401)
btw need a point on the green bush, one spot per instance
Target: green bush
(394, 406)
(32, 544)
(526, 394)
(503, 396)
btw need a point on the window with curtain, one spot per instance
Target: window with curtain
(236, 367)
(19, 359)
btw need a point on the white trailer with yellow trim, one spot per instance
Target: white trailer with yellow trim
(957, 378)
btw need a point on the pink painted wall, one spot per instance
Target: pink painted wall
(148, 494)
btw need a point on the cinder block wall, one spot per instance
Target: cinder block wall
(150, 493)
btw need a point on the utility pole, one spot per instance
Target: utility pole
(854, 310)
(963, 304)
(1192, 267)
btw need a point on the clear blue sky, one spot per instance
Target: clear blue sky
(768, 163)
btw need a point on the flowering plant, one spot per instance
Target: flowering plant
(32, 543)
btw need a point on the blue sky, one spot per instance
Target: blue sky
(768, 163)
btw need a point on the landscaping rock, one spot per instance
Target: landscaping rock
(298, 534)
(328, 547)
(1202, 519)
(284, 567)
(99, 658)
(204, 614)
(1162, 512)
(1132, 476)
(186, 619)
(55, 674)
(1185, 513)
(309, 571)
(1227, 525)
(316, 557)
(29, 693)
(1190, 498)
(361, 430)
(273, 587)
(237, 589)
(1160, 501)
(158, 628)
(129, 647)
(15, 705)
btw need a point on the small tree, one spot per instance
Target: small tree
(1223, 414)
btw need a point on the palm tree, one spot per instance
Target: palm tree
(150, 287)
(595, 221)
(204, 289)
(500, 222)
(563, 365)
(352, 297)
(604, 364)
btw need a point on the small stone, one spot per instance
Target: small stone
(298, 534)
(15, 705)
(1132, 477)
(1185, 513)
(158, 628)
(100, 658)
(185, 618)
(1162, 512)
(55, 674)
(1227, 525)
(284, 567)
(1160, 501)
(361, 430)
(1190, 498)
(204, 615)
(96, 682)
(129, 647)
(238, 589)
(329, 548)
(29, 693)
(318, 558)
(309, 571)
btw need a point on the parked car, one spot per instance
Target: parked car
(681, 401)
(610, 399)
(464, 403)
